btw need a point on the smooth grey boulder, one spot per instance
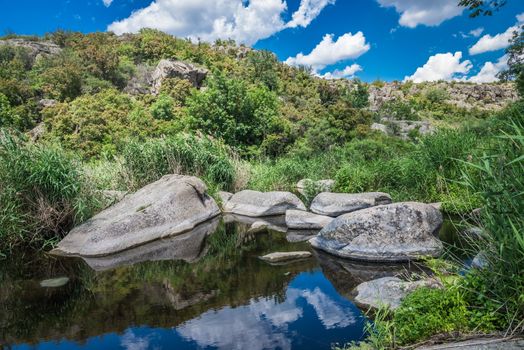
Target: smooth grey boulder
(393, 232)
(255, 204)
(165, 208)
(303, 220)
(319, 185)
(285, 256)
(176, 69)
(188, 246)
(336, 204)
(388, 291)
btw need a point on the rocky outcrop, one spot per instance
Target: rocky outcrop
(168, 207)
(388, 291)
(140, 82)
(493, 96)
(176, 69)
(279, 257)
(318, 186)
(255, 204)
(34, 48)
(335, 204)
(393, 232)
(404, 128)
(303, 220)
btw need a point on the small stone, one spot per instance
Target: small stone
(278, 257)
(54, 282)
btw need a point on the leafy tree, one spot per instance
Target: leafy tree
(482, 7)
(262, 68)
(230, 109)
(163, 108)
(515, 54)
(358, 96)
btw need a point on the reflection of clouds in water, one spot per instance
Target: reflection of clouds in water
(130, 341)
(329, 312)
(238, 328)
(263, 323)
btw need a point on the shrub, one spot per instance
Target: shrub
(239, 114)
(163, 108)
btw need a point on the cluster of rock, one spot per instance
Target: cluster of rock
(403, 128)
(148, 79)
(466, 95)
(34, 48)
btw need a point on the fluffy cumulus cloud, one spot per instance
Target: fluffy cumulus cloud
(347, 73)
(329, 51)
(426, 12)
(107, 3)
(442, 66)
(245, 22)
(493, 43)
(488, 72)
(307, 12)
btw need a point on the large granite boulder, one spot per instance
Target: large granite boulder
(393, 232)
(335, 204)
(176, 69)
(188, 246)
(168, 207)
(303, 220)
(255, 204)
(388, 291)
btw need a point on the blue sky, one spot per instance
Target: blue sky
(370, 39)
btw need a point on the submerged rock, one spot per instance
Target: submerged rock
(388, 291)
(294, 236)
(335, 204)
(285, 256)
(168, 207)
(393, 232)
(255, 204)
(303, 220)
(176, 69)
(54, 282)
(274, 223)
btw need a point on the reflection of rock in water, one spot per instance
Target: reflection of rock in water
(346, 275)
(188, 246)
(275, 223)
(294, 236)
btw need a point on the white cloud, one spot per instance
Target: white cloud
(493, 43)
(348, 72)
(488, 72)
(328, 52)
(245, 22)
(331, 314)
(307, 12)
(442, 66)
(107, 3)
(426, 12)
(476, 32)
(520, 17)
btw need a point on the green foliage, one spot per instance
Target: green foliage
(42, 193)
(94, 124)
(358, 96)
(398, 109)
(261, 66)
(239, 114)
(145, 162)
(163, 108)
(436, 95)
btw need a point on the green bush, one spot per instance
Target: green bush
(163, 108)
(42, 193)
(239, 114)
(145, 162)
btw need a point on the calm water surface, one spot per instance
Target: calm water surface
(206, 289)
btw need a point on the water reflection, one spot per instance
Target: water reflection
(217, 294)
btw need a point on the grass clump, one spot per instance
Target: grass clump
(42, 192)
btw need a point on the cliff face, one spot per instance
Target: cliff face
(492, 96)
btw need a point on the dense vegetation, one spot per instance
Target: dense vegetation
(71, 129)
